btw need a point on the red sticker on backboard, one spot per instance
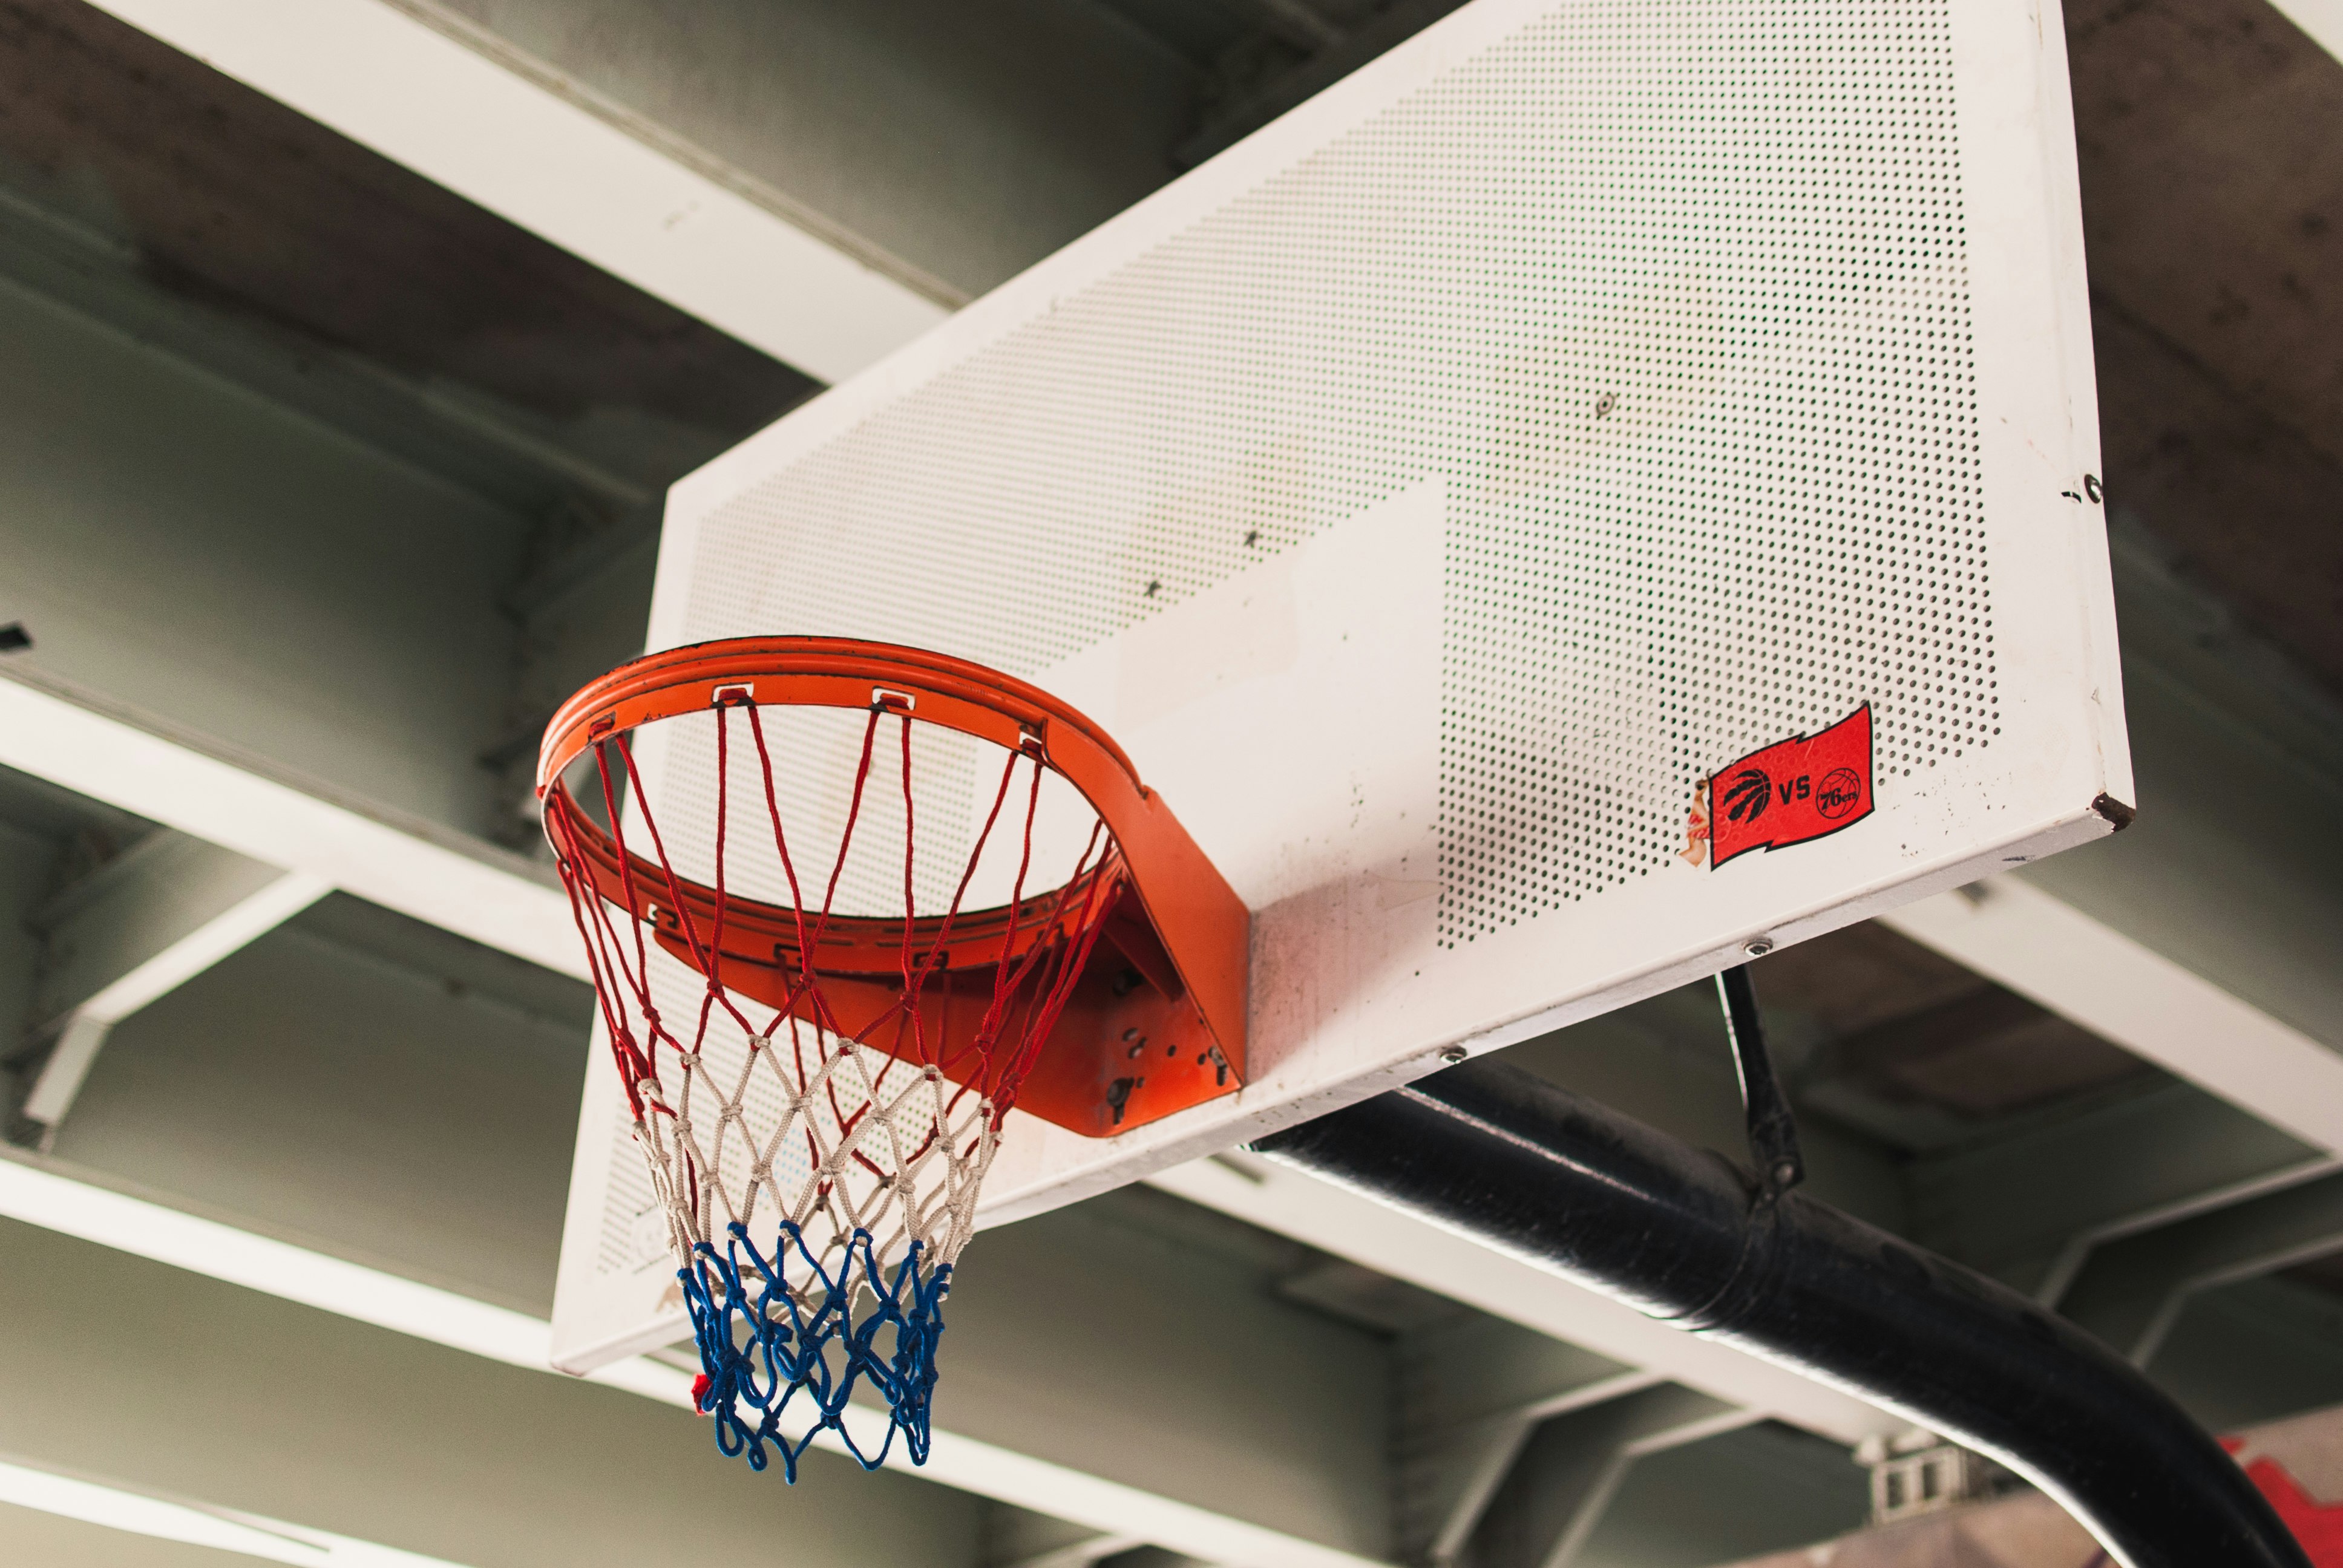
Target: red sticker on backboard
(1807, 787)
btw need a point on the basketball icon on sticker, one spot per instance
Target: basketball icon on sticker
(1807, 787)
(1842, 792)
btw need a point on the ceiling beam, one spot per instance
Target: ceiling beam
(2076, 1255)
(137, 1511)
(2202, 937)
(2134, 1289)
(264, 1407)
(1139, 1344)
(136, 927)
(1472, 1390)
(2322, 19)
(2029, 1207)
(425, 88)
(145, 765)
(1567, 1473)
(1457, 1475)
(131, 1224)
(1332, 57)
(1324, 1216)
(462, 435)
(2071, 963)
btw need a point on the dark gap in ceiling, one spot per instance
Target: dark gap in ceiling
(1888, 1029)
(2210, 141)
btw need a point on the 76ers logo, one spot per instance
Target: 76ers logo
(1802, 787)
(1842, 790)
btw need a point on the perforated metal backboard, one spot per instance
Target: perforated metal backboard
(1437, 491)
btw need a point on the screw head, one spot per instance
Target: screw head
(1757, 947)
(1452, 1054)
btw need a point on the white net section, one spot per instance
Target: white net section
(809, 1128)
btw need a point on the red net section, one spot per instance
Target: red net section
(818, 1094)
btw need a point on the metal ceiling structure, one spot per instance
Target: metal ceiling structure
(348, 346)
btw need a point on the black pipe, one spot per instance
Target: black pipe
(1579, 1190)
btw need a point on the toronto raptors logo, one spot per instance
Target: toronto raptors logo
(1747, 797)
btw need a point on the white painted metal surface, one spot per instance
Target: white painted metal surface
(135, 763)
(226, 1530)
(1430, 490)
(59, 1202)
(555, 159)
(167, 910)
(1462, 1269)
(2121, 991)
(2322, 19)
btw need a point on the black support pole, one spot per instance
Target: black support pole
(1577, 1188)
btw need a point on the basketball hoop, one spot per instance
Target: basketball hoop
(819, 1091)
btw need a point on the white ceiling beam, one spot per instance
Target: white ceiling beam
(1458, 1474)
(1325, 1216)
(137, 1512)
(135, 929)
(2049, 951)
(427, 89)
(2080, 1248)
(95, 747)
(2132, 1292)
(2322, 19)
(1081, 1553)
(1476, 1393)
(1574, 1465)
(108, 934)
(45, 1197)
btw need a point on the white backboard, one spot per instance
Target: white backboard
(1432, 491)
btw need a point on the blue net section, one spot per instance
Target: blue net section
(781, 1360)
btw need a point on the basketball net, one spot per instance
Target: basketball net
(818, 1159)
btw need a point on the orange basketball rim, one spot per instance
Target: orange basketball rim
(1150, 1013)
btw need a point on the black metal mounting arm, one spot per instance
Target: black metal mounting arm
(1773, 1130)
(1574, 1187)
